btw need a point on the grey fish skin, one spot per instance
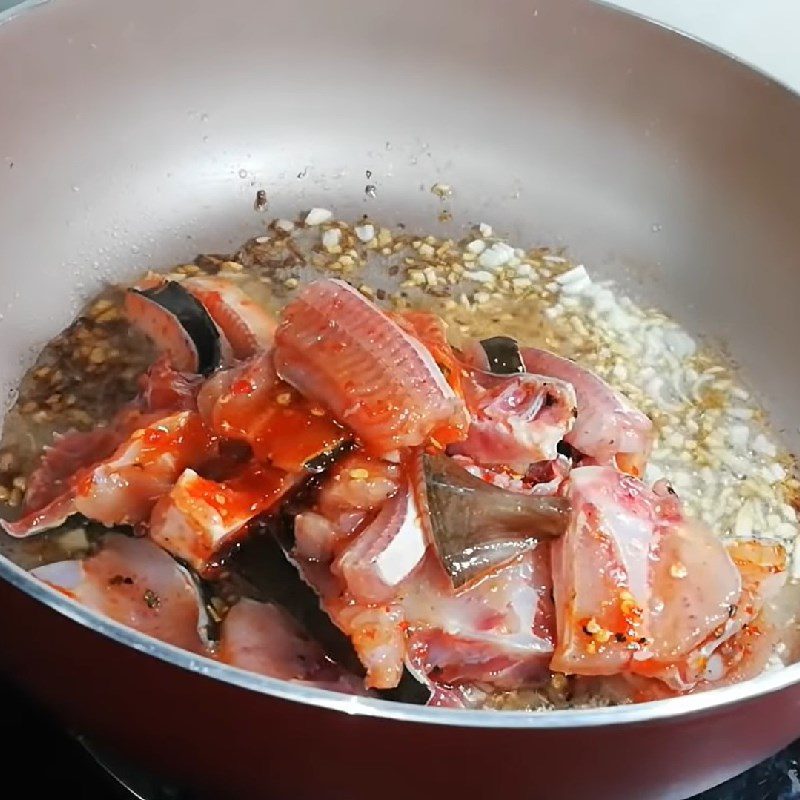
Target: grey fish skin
(503, 355)
(476, 526)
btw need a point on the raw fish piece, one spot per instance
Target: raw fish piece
(608, 428)
(248, 326)
(264, 638)
(200, 519)
(178, 324)
(639, 589)
(516, 420)
(498, 631)
(249, 403)
(136, 583)
(385, 552)
(123, 488)
(340, 350)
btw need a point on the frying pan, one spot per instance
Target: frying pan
(136, 135)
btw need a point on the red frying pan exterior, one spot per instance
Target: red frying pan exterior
(124, 132)
(228, 742)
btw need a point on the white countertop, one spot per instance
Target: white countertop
(765, 33)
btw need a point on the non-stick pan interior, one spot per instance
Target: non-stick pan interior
(143, 135)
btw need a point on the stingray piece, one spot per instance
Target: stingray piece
(179, 325)
(476, 526)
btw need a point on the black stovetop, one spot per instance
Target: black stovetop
(72, 772)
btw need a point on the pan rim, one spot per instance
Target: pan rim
(653, 711)
(669, 709)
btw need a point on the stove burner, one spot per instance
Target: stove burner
(777, 778)
(136, 784)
